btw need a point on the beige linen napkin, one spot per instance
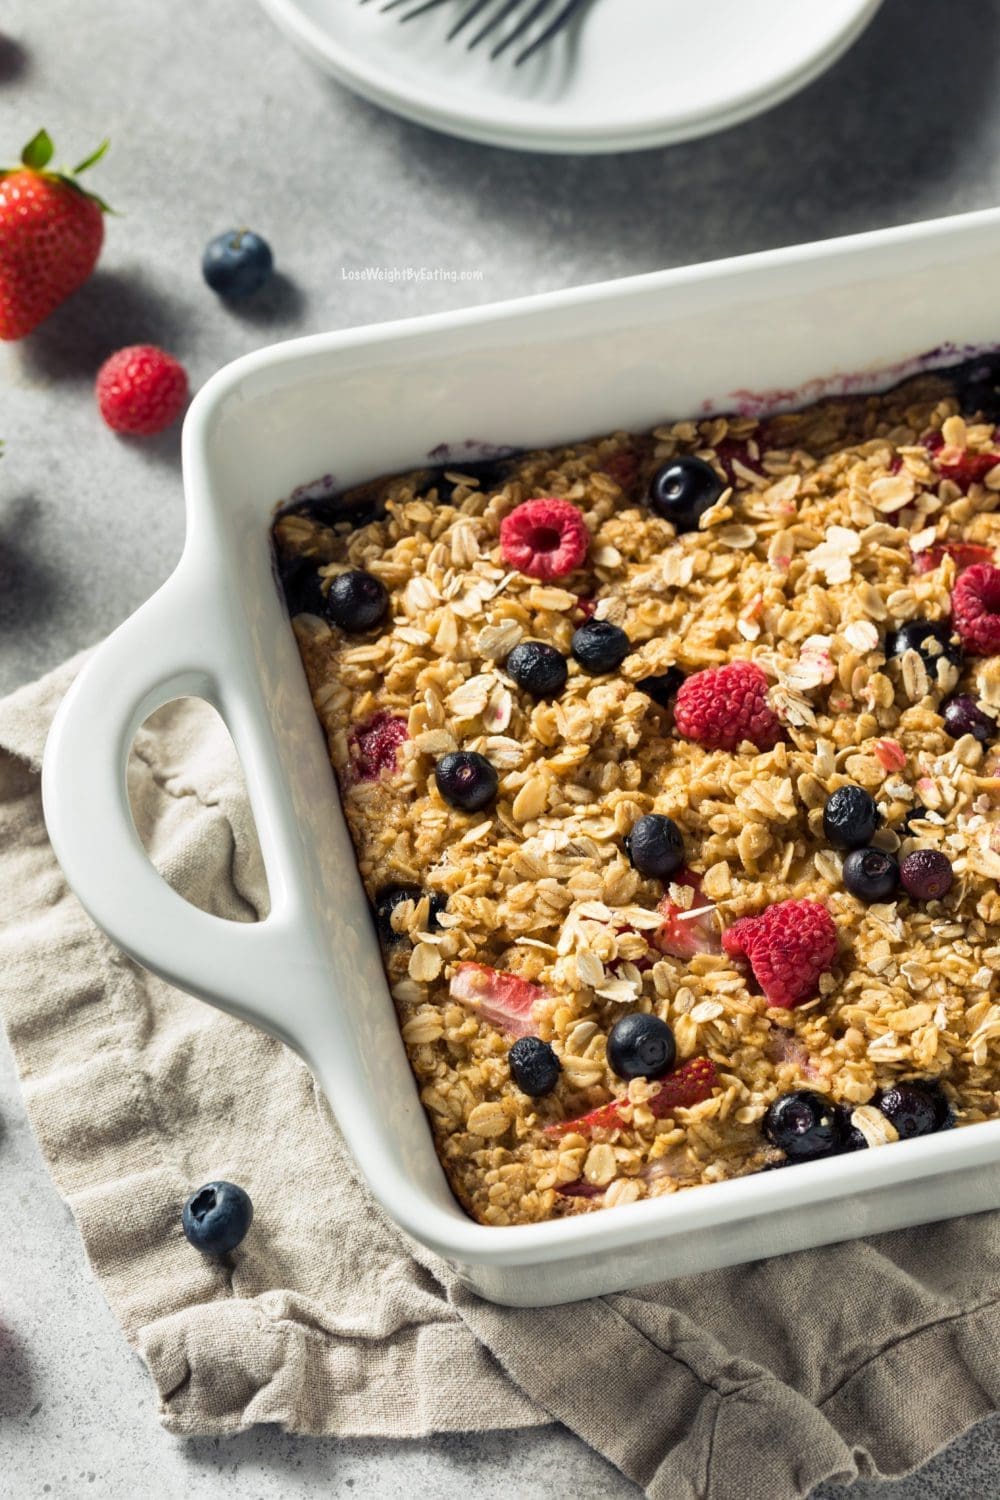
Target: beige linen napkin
(756, 1382)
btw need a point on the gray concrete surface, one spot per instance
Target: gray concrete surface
(215, 121)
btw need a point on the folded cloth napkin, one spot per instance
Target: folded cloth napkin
(756, 1382)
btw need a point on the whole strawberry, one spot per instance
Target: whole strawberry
(51, 232)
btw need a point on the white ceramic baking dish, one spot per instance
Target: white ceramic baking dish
(373, 400)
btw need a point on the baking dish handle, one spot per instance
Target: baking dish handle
(166, 651)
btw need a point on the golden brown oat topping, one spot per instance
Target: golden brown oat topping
(815, 551)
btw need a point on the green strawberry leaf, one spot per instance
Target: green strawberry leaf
(88, 161)
(38, 152)
(94, 198)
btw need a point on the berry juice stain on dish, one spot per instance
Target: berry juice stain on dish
(667, 760)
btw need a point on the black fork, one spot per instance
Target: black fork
(552, 15)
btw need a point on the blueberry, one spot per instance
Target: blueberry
(851, 1138)
(466, 780)
(977, 385)
(600, 647)
(387, 901)
(534, 1066)
(356, 601)
(537, 668)
(217, 1217)
(663, 688)
(914, 814)
(850, 817)
(237, 264)
(804, 1125)
(927, 874)
(871, 875)
(683, 490)
(300, 584)
(932, 639)
(962, 715)
(641, 1046)
(655, 846)
(915, 1108)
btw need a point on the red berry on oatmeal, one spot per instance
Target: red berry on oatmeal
(545, 538)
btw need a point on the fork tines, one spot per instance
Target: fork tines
(524, 13)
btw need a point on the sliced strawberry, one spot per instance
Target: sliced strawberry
(502, 999)
(890, 755)
(966, 555)
(690, 1084)
(686, 932)
(605, 1117)
(969, 469)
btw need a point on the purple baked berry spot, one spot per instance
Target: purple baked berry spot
(375, 747)
(962, 715)
(927, 874)
(733, 451)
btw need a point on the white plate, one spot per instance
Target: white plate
(633, 73)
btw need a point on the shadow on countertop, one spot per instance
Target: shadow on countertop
(112, 309)
(281, 300)
(16, 1384)
(447, 1456)
(15, 61)
(25, 577)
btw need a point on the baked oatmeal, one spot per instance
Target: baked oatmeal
(669, 764)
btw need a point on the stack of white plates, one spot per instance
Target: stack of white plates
(632, 73)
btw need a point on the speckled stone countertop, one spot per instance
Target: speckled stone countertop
(215, 120)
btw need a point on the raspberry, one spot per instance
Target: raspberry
(544, 538)
(723, 706)
(788, 947)
(141, 390)
(374, 747)
(975, 609)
